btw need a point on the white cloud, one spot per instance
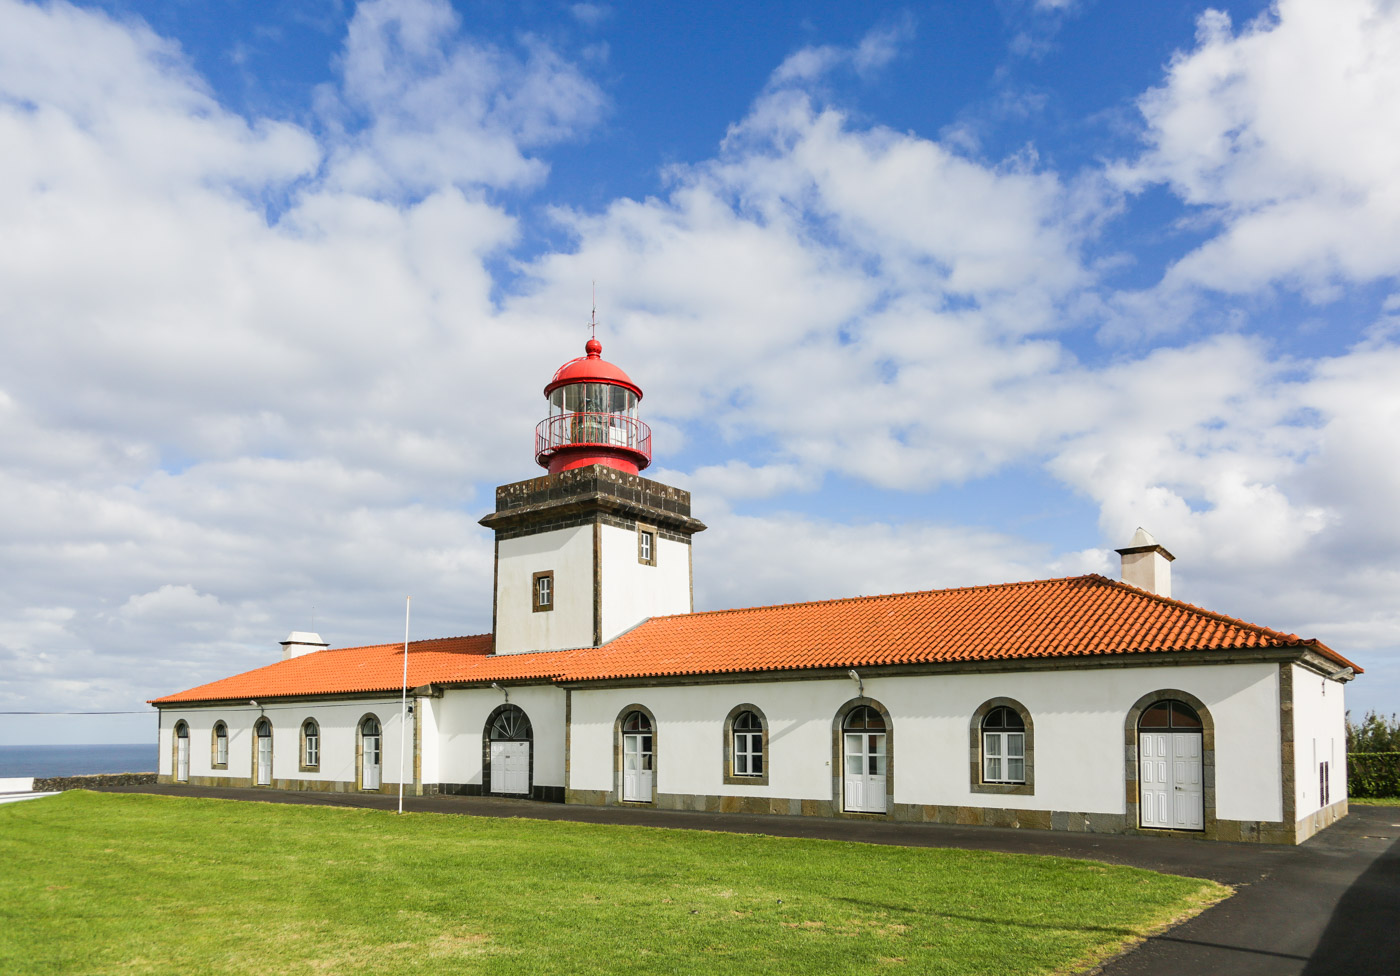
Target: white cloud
(444, 109)
(877, 48)
(1285, 131)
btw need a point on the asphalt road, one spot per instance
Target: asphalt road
(1328, 906)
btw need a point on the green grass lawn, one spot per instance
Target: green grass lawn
(1375, 801)
(126, 883)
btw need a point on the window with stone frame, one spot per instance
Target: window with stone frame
(310, 745)
(646, 544)
(542, 591)
(1002, 747)
(219, 759)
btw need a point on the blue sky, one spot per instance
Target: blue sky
(920, 295)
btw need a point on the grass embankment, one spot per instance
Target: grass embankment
(1374, 801)
(102, 883)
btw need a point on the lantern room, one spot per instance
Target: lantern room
(592, 417)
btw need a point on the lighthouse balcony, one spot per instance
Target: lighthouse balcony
(605, 433)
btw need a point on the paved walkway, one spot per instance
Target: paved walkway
(1329, 906)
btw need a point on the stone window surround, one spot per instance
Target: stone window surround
(272, 757)
(175, 750)
(730, 777)
(302, 765)
(974, 731)
(214, 745)
(360, 753)
(536, 604)
(838, 759)
(486, 750)
(1132, 796)
(617, 755)
(647, 530)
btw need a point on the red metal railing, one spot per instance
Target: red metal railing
(608, 430)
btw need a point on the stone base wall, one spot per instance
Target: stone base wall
(51, 784)
(1314, 822)
(295, 785)
(1247, 831)
(544, 794)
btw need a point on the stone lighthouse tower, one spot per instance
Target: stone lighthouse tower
(592, 548)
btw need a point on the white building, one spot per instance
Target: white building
(1079, 704)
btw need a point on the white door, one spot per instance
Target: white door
(636, 766)
(264, 760)
(865, 772)
(1170, 782)
(510, 767)
(369, 779)
(182, 759)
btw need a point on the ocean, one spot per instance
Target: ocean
(76, 760)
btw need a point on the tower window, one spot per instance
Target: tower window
(646, 545)
(542, 591)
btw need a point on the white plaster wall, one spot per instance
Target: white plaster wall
(461, 720)
(201, 722)
(569, 553)
(1078, 719)
(429, 749)
(338, 722)
(1319, 735)
(632, 590)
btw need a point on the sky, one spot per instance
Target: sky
(919, 295)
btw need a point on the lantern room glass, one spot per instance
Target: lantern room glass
(593, 398)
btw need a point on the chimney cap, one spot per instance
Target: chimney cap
(304, 637)
(1142, 541)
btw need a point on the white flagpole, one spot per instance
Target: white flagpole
(403, 703)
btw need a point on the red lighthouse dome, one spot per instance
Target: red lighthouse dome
(592, 417)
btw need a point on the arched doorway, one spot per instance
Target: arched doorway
(182, 752)
(1171, 770)
(510, 739)
(864, 751)
(262, 751)
(371, 753)
(638, 758)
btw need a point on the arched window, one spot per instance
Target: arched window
(509, 752)
(1170, 714)
(511, 723)
(219, 750)
(310, 746)
(745, 747)
(1002, 743)
(636, 741)
(182, 752)
(1003, 747)
(262, 753)
(371, 750)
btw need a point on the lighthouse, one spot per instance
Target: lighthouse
(592, 548)
(592, 417)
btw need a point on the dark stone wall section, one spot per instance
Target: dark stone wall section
(544, 794)
(52, 784)
(588, 496)
(594, 478)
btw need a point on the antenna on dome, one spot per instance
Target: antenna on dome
(593, 319)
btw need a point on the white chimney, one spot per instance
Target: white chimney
(1147, 565)
(301, 642)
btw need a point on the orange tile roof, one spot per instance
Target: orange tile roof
(378, 667)
(1075, 617)
(1079, 616)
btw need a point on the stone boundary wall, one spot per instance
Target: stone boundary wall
(48, 784)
